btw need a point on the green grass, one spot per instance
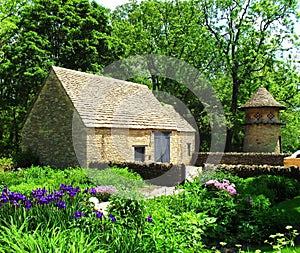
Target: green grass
(292, 208)
(39, 177)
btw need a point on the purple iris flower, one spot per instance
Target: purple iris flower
(112, 218)
(149, 218)
(99, 214)
(61, 204)
(77, 214)
(93, 191)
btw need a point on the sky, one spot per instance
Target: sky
(112, 4)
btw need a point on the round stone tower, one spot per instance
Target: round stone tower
(262, 123)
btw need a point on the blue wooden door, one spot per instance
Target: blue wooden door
(162, 147)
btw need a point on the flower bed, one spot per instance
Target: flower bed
(217, 207)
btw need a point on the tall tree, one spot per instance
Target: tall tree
(68, 33)
(168, 28)
(233, 43)
(248, 34)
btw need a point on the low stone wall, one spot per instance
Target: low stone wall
(245, 171)
(239, 158)
(155, 173)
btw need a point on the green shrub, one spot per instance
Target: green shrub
(6, 164)
(276, 188)
(129, 206)
(35, 177)
(122, 179)
(26, 159)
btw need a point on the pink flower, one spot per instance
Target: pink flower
(225, 185)
(209, 182)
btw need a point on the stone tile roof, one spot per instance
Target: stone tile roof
(183, 125)
(107, 102)
(262, 98)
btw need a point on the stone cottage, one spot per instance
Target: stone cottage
(262, 123)
(83, 119)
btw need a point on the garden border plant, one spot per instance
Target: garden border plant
(216, 207)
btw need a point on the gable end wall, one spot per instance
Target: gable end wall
(48, 128)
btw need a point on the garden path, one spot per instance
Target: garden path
(153, 191)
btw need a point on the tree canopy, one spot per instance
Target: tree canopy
(237, 45)
(74, 34)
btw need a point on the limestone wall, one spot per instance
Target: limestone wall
(155, 173)
(117, 145)
(262, 138)
(48, 128)
(262, 130)
(262, 115)
(187, 147)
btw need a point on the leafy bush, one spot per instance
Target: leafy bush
(122, 179)
(26, 159)
(276, 188)
(39, 177)
(130, 206)
(6, 164)
(244, 217)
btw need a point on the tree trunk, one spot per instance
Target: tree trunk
(233, 109)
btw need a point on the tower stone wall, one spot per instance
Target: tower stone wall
(262, 138)
(262, 123)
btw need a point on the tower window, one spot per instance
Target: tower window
(270, 116)
(258, 116)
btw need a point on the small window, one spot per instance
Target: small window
(270, 116)
(258, 116)
(189, 149)
(139, 154)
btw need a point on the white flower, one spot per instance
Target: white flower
(94, 200)
(102, 207)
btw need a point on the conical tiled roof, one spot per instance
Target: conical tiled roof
(107, 102)
(262, 98)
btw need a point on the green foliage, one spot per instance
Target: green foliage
(129, 206)
(280, 241)
(194, 220)
(180, 233)
(6, 164)
(275, 188)
(236, 45)
(39, 177)
(124, 172)
(38, 34)
(242, 218)
(240, 43)
(121, 178)
(50, 239)
(292, 208)
(26, 159)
